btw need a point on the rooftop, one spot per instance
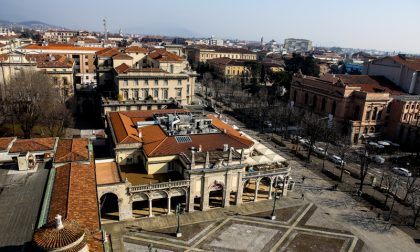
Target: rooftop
(107, 52)
(33, 144)
(72, 150)
(107, 173)
(60, 47)
(5, 142)
(171, 132)
(122, 55)
(228, 61)
(135, 49)
(410, 62)
(163, 56)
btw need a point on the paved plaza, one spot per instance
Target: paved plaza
(239, 230)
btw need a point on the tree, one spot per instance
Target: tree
(364, 161)
(343, 148)
(256, 69)
(315, 129)
(410, 185)
(390, 183)
(57, 118)
(29, 95)
(307, 65)
(414, 201)
(207, 81)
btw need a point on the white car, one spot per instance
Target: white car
(336, 160)
(378, 159)
(402, 171)
(320, 151)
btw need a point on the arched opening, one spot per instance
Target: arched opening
(323, 104)
(356, 115)
(109, 207)
(140, 208)
(264, 188)
(374, 113)
(314, 101)
(216, 195)
(248, 190)
(333, 108)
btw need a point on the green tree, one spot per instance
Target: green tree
(307, 65)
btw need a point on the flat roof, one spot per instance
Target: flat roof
(107, 173)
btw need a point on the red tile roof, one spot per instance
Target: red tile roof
(74, 197)
(66, 47)
(107, 52)
(4, 142)
(123, 68)
(413, 63)
(33, 144)
(72, 150)
(227, 61)
(163, 56)
(135, 49)
(156, 142)
(122, 56)
(50, 61)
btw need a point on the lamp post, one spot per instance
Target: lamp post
(178, 211)
(273, 214)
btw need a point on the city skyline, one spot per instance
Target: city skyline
(360, 25)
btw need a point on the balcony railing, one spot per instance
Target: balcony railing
(266, 173)
(159, 186)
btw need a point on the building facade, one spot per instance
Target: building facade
(400, 69)
(297, 45)
(197, 54)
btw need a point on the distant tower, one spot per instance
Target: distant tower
(105, 29)
(262, 41)
(21, 30)
(121, 33)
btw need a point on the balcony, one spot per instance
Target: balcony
(159, 186)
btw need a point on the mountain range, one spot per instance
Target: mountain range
(31, 24)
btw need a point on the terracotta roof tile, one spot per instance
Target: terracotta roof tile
(5, 142)
(413, 63)
(33, 144)
(122, 56)
(72, 150)
(107, 52)
(135, 49)
(163, 55)
(123, 68)
(67, 47)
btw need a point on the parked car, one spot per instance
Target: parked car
(320, 151)
(336, 160)
(378, 159)
(402, 171)
(304, 142)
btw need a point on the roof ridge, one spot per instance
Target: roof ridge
(157, 146)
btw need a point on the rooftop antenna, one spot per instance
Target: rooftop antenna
(105, 29)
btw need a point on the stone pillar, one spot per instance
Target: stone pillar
(125, 208)
(239, 189)
(190, 197)
(227, 189)
(169, 205)
(150, 208)
(205, 194)
(207, 163)
(270, 190)
(257, 187)
(285, 184)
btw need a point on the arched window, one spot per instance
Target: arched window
(374, 113)
(380, 115)
(333, 108)
(367, 115)
(306, 98)
(323, 104)
(356, 115)
(314, 101)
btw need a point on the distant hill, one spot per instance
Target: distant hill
(32, 24)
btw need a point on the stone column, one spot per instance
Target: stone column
(205, 194)
(227, 189)
(125, 208)
(257, 187)
(169, 205)
(270, 190)
(285, 185)
(150, 208)
(239, 190)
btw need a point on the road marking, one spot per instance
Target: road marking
(211, 232)
(274, 248)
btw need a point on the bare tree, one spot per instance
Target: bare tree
(364, 161)
(410, 185)
(207, 81)
(414, 201)
(57, 118)
(390, 181)
(343, 148)
(314, 128)
(29, 95)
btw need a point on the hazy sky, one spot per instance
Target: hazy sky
(379, 24)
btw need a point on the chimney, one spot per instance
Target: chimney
(58, 222)
(224, 131)
(200, 148)
(225, 147)
(140, 134)
(230, 156)
(207, 163)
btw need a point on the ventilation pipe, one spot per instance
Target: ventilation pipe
(58, 222)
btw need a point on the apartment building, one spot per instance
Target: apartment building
(59, 36)
(227, 68)
(198, 54)
(292, 45)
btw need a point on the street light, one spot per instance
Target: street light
(178, 211)
(273, 215)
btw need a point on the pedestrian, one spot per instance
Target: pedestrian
(302, 196)
(379, 215)
(303, 179)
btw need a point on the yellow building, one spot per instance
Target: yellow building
(199, 54)
(229, 68)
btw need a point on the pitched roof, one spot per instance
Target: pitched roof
(156, 142)
(60, 47)
(74, 197)
(33, 144)
(121, 55)
(135, 49)
(72, 150)
(413, 63)
(5, 142)
(50, 61)
(107, 52)
(123, 68)
(228, 61)
(163, 55)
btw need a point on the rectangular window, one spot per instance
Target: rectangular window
(136, 94)
(146, 82)
(179, 83)
(156, 92)
(188, 89)
(86, 63)
(136, 83)
(165, 82)
(156, 82)
(145, 93)
(125, 92)
(165, 94)
(125, 83)
(178, 92)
